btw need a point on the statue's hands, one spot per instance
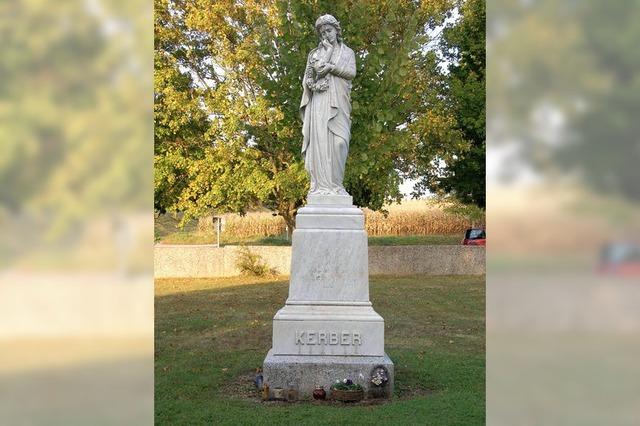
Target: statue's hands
(325, 69)
(326, 43)
(310, 84)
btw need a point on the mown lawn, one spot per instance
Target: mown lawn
(212, 333)
(415, 240)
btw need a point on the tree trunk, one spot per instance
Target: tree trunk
(288, 213)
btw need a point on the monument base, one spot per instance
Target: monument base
(347, 329)
(305, 372)
(328, 330)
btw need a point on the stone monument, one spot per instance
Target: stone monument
(327, 330)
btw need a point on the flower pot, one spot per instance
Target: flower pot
(347, 395)
(292, 394)
(278, 393)
(319, 393)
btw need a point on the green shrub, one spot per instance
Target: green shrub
(251, 264)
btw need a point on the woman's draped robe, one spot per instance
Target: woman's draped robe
(327, 124)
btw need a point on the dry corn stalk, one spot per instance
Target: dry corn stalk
(409, 218)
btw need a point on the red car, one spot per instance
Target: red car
(621, 259)
(475, 237)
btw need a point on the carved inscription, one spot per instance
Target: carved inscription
(343, 338)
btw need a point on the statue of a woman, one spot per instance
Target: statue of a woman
(326, 108)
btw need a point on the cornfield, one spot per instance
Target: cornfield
(426, 222)
(257, 224)
(409, 218)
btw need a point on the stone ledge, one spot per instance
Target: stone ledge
(309, 371)
(329, 222)
(335, 200)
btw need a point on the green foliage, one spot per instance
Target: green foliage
(451, 157)
(228, 85)
(346, 387)
(471, 212)
(251, 264)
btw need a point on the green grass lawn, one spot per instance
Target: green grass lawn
(202, 238)
(414, 240)
(211, 334)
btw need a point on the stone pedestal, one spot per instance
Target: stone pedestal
(327, 330)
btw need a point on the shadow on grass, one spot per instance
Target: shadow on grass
(210, 335)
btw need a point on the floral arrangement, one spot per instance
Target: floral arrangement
(346, 385)
(379, 376)
(320, 85)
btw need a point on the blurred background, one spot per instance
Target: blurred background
(76, 221)
(563, 276)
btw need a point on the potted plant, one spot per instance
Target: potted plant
(347, 391)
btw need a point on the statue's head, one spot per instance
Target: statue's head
(325, 24)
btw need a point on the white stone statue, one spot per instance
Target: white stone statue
(328, 329)
(326, 108)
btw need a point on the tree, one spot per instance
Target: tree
(451, 157)
(236, 68)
